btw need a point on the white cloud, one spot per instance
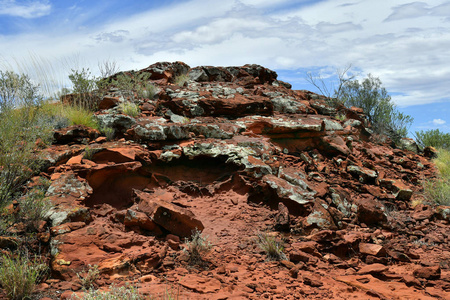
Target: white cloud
(409, 10)
(24, 9)
(326, 27)
(409, 53)
(115, 36)
(438, 122)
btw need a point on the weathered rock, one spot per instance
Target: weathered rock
(75, 134)
(364, 175)
(140, 219)
(373, 269)
(398, 188)
(430, 273)
(372, 249)
(409, 144)
(312, 281)
(443, 212)
(282, 219)
(118, 122)
(370, 210)
(108, 102)
(177, 220)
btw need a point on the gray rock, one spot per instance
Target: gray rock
(120, 123)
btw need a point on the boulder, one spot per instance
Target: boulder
(429, 273)
(372, 249)
(176, 219)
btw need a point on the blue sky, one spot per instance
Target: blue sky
(404, 43)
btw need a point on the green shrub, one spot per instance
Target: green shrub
(341, 117)
(377, 105)
(34, 207)
(133, 84)
(18, 276)
(80, 116)
(197, 247)
(438, 190)
(88, 153)
(22, 127)
(371, 96)
(84, 85)
(89, 277)
(180, 80)
(434, 138)
(61, 115)
(108, 132)
(115, 293)
(129, 108)
(271, 246)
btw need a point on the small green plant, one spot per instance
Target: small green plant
(19, 275)
(438, 190)
(114, 293)
(88, 153)
(88, 278)
(180, 80)
(34, 207)
(271, 246)
(132, 85)
(341, 117)
(197, 247)
(129, 108)
(108, 132)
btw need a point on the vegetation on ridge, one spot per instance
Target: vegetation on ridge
(434, 138)
(372, 97)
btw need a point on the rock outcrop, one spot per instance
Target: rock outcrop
(231, 152)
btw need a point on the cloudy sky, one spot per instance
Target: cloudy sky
(406, 44)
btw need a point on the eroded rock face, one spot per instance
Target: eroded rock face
(232, 152)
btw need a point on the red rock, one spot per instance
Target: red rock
(430, 152)
(312, 281)
(177, 220)
(136, 218)
(400, 190)
(282, 219)
(75, 160)
(370, 210)
(430, 273)
(423, 212)
(201, 285)
(410, 280)
(363, 174)
(8, 242)
(75, 134)
(307, 247)
(108, 102)
(299, 256)
(372, 249)
(335, 144)
(373, 269)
